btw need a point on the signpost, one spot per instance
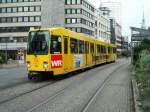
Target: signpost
(21, 56)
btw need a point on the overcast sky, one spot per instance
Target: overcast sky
(132, 12)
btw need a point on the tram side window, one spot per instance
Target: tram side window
(86, 47)
(81, 47)
(55, 45)
(114, 50)
(65, 45)
(92, 48)
(98, 48)
(102, 49)
(109, 49)
(74, 46)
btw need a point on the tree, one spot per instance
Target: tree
(145, 45)
(2, 58)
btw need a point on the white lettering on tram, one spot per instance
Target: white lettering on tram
(57, 63)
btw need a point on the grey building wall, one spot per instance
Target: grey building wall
(53, 13)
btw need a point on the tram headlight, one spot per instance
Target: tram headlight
(28, 64)
(45, 64)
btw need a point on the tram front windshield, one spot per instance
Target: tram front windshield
(38, 42)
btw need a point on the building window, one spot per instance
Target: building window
(3, 10)
(37, 19)
(78, 20)
(8, 1)
(74, 29)
(73, 20)
(3, 20)
(9, 20)
(78, 1)
(3, 1)
(14, 29)
(26, 19)
(20, 0)
(26, 9)
(73, 2)
(37, 0)
(14, 19)
(14, 9)
(14, 1)
(20, 9)
(68, 2)
(68, 20)
(31, 9)
(78, 11)
(26, 0)
(31, 19)
(37, 8)
(68, 11)
(79, 30)
(73, 11)
(20, 19)
(8, 10)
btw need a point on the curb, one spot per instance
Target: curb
(136, 95)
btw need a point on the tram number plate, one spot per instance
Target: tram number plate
(56, 61)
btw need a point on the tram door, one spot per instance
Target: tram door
(66, 55)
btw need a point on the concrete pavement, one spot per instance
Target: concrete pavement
(116, 95)
(12, 76)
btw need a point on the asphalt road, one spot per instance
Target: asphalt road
(12, 76)
(70, 94)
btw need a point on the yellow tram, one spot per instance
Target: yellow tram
(58, 51)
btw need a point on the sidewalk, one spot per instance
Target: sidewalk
(116, 96)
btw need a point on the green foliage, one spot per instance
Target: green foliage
(145, 45)
(2, 58)
(142, 69)
(126, 53)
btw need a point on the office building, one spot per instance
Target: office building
(17, 16)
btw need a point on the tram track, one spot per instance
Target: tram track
(54, 94)
(13, 85)
(27, 92)
(61, 91)
(98, 91)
